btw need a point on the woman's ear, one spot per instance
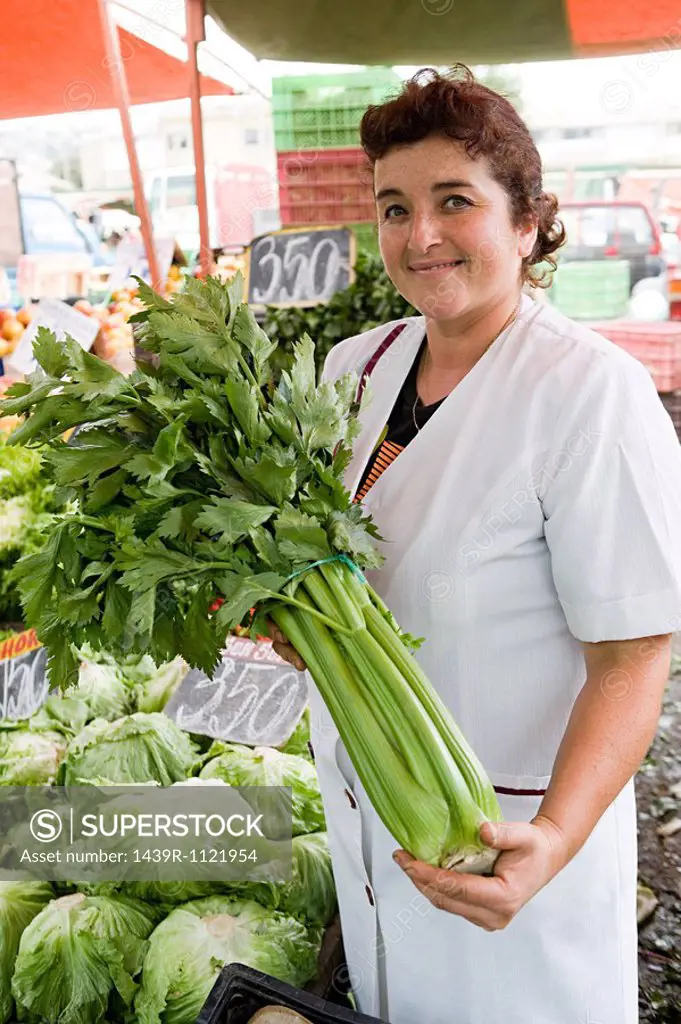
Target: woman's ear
(527, 237)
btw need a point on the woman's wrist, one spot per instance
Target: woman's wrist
(560, 848)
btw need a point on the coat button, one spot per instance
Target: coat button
(370, 895)
(351, 799)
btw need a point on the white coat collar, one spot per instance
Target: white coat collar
(383, 388)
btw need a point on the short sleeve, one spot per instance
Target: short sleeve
(611, 496)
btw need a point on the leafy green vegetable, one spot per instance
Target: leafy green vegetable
(311, 892)
(101, 687)
(19, 904)
(230, 485)
(189, 948)
(16, 515)
(166, 895)
(76, 953)
(27, 497)
(310, 895)
(299, 741)
(263, 766)
(198, 496)
(136, 749)
(369, 301)
(153, 687)
(29, 757)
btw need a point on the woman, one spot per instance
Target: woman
(528, 484)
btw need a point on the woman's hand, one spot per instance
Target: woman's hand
(283, 648)
(532, 854)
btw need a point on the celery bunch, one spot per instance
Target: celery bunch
(203, 476)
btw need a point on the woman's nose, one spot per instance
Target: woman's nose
(425, 232)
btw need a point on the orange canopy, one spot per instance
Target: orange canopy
(53, 60)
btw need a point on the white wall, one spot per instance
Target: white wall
(637, 144)
(237, 129)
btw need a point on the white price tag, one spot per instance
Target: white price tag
(58, 317)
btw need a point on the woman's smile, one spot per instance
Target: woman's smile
(430, 268)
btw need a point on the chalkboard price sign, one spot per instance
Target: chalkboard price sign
(254, 698)
(23, 679)
(300, 267)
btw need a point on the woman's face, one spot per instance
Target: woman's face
(445, 230)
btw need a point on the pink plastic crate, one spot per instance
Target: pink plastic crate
(657, 346)
(240, 189)
(325, 186)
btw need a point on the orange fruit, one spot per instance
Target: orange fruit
(12, 330)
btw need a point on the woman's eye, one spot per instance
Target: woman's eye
(456, 202)
(393, 211)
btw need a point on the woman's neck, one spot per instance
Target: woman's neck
(455, 345)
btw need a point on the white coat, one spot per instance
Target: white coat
(540, 506)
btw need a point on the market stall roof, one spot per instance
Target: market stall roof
(53, 60)
(446, 31)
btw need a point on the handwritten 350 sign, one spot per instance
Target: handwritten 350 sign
(296, 273)
(300, 267)
(253, 698)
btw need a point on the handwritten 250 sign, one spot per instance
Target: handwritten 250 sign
(23, 680)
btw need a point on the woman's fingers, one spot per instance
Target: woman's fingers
(290, 654)
(283, 648)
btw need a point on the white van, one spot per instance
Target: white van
(241, 198)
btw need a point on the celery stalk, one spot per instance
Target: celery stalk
(470, 767)
(417, 819)
(417, 769)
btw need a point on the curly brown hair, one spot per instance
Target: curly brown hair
(456, 105)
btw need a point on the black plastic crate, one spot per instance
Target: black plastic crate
(240, 992)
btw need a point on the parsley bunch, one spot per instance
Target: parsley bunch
(202, 476)
(197, 477)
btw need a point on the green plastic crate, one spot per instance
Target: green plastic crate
(324, 111)
(312, 85)
(591, 290)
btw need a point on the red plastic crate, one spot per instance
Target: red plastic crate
(656, 345)
(325, 186)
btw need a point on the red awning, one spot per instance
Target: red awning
(53, 60)
(612, 27)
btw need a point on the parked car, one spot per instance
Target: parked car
(611, 229)
(671, 244)
(48, 228)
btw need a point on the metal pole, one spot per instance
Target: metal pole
(196, 33)
(120, 88)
